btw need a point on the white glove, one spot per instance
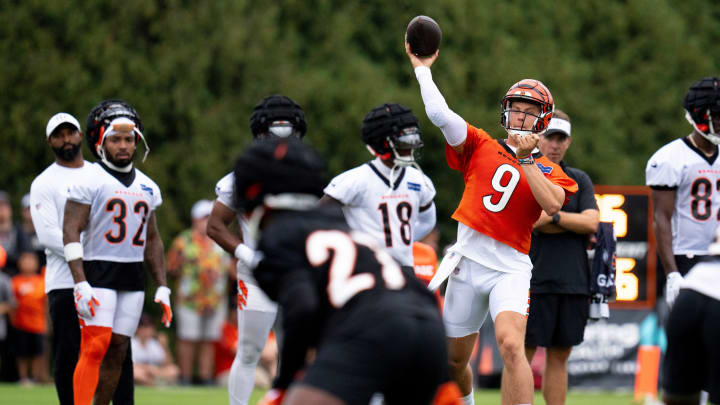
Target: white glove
(162, 296)
(672, 287)
(245, 257)
(85, 299)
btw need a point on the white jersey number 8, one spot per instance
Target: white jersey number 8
(506, 189)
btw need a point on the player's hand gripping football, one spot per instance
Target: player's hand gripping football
(418, 61)
(162, 297)
(273, 397)
(525, 143)
(672, 287)
(85, 299)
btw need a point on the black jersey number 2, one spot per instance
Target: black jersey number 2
(403, 211)
(119, 208)
(701, 203)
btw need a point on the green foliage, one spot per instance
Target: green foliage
(194, 69)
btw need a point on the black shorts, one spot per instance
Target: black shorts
(27, 344)
(403, 357)
(557, 320)
(692, 359)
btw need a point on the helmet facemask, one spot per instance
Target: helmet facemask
(280, 129)
(528, 91)
(407, 141)
(532, 128)
(702, 101)
(706, 128)
(120, 125)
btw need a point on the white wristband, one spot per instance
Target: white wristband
(73, 251)
(244, 253)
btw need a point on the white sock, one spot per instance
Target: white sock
(704, 397)
(469, 399)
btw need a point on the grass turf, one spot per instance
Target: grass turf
(12, 394)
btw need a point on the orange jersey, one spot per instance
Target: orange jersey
(497, 200)
(425, 264)
(30, 296)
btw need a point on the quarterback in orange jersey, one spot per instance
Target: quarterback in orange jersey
(507, 184)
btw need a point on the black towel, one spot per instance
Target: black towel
(602, 271)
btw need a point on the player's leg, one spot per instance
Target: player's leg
(465, 310)
(304, 394)
(65, 341)
(572, 312)
(423, 376)
(125, 322)
(711, 336)
(254, 323)
(125, 391)
(95, 336)
(555, 378)
(682, 377)
(509, 308)
(111, 368)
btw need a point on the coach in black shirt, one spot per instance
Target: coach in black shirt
(559, 288)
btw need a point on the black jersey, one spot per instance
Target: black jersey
(331, 282)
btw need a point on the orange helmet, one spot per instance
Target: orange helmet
(533, 91)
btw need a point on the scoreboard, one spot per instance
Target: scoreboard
(630, 211)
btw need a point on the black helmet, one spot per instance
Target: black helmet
(277, 108)
(285, 168)
(100, 118)
(701, 102)
(391, 127)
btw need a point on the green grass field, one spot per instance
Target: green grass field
(11, 394)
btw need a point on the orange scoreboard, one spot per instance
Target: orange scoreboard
(630, 211)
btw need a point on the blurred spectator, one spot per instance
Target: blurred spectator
(202, 269)
(12, 238)
(152, 361)
(29, 320)
(7, 303)
(29, 229)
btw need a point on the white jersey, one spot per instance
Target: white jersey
(224, 190)
(696, 178)
(389, 215)
(116, 229)
(48, 194)
(704, 278)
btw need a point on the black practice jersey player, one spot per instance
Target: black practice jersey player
(375, 329)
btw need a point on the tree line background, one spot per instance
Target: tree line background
(194, 70)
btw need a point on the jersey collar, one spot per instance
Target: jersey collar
(710, 159)
(383, 176)
(125, 178)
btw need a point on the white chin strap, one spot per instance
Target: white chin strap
(711, 136)
(125, 169)
(110, 132)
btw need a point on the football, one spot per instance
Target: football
(424, 35)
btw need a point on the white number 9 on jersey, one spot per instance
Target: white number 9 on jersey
(506, 189)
